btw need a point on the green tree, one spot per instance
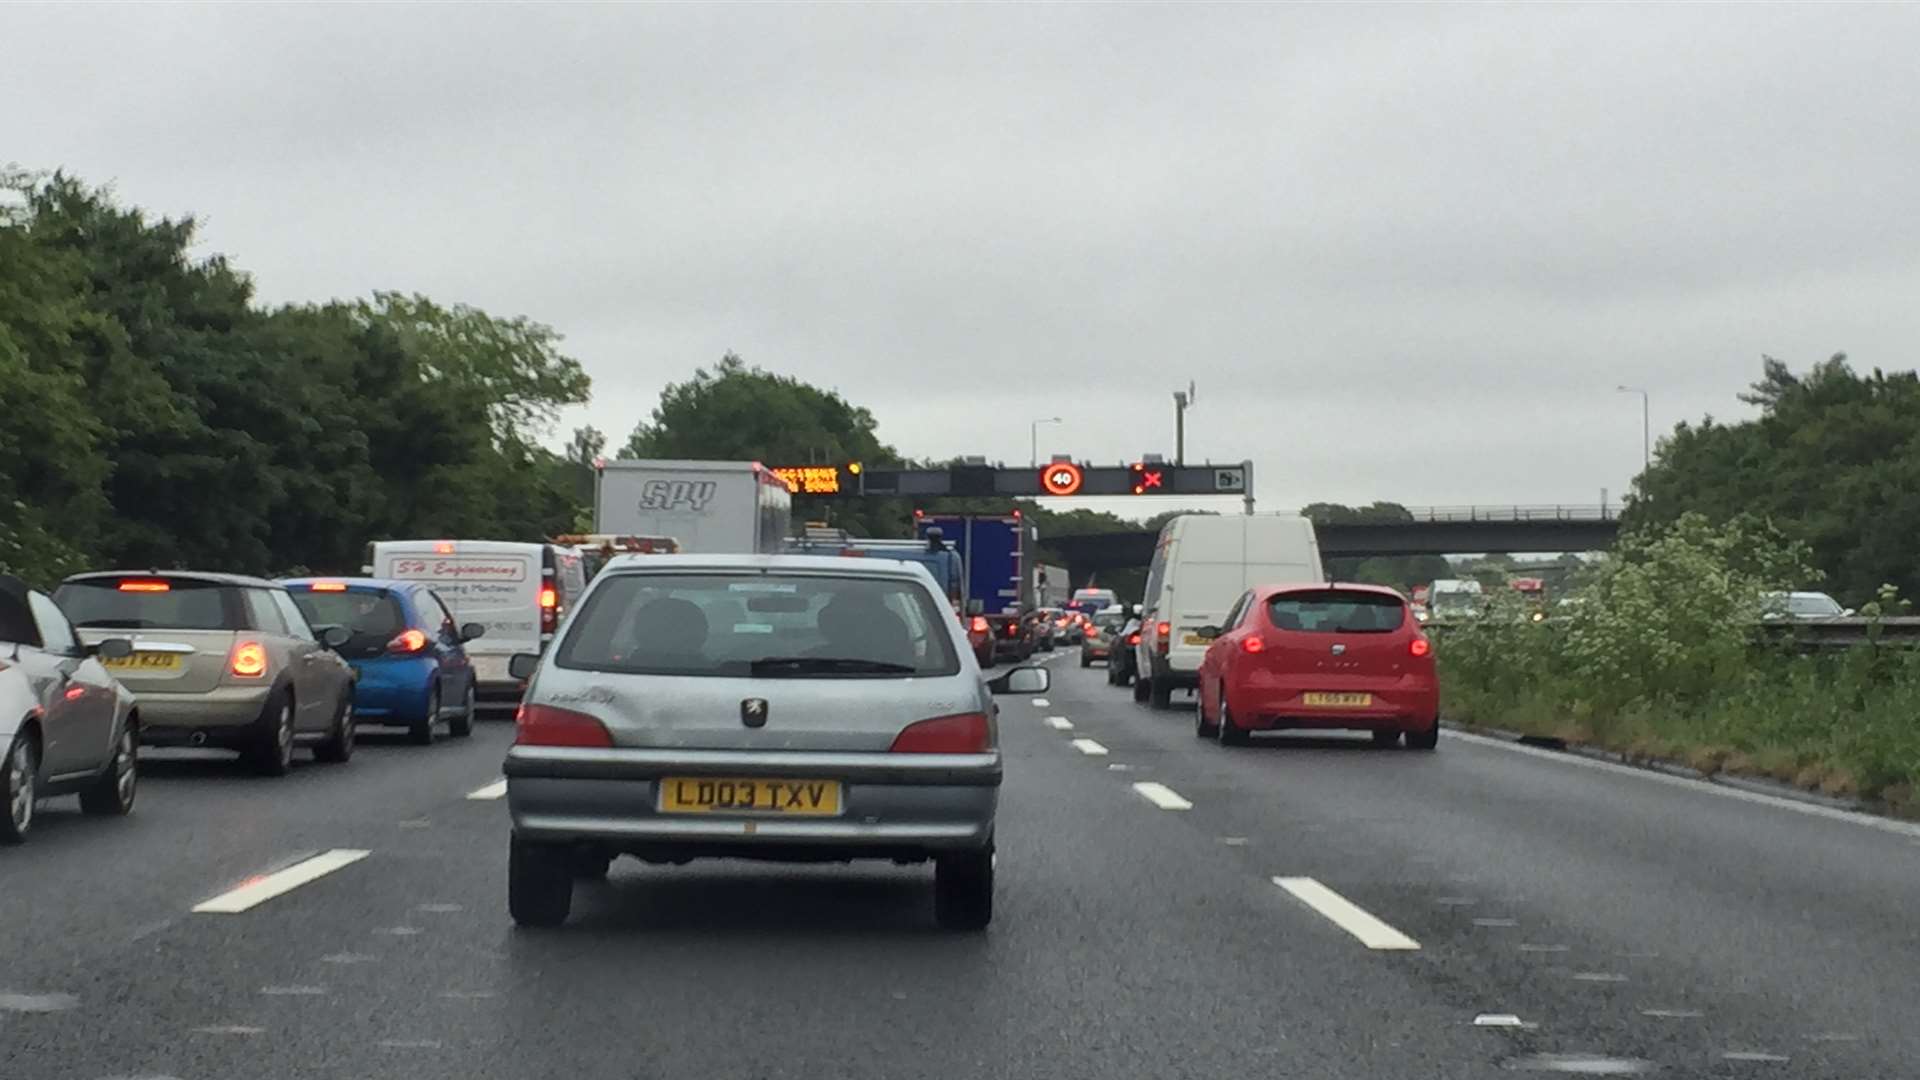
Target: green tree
(1401, 572)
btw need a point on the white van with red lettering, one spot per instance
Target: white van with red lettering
(518, 591)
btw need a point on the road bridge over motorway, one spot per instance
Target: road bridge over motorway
(1437, 530)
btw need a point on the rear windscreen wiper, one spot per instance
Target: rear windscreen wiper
(815, 665)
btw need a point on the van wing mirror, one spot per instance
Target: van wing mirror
(1208, 632)
(1022, 680)
(333, 637)
(113, 648)
(523, 665)
(469, 631)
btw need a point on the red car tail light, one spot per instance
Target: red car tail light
(145, 586)
(1165, 634)
(549, 608)
(1253, 645)
(408, 642)
(979, 624)
(962, 733)
(1133, 638)
(544, 725)
(328, 586)
(1420, 646)
(248, 660)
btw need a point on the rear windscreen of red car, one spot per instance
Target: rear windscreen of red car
(1337, 611)
(149, 604)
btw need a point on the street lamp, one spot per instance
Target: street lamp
(1646, 425)
(1034, 429)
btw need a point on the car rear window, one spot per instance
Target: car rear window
(363, 611)
(149, 603)
(759, 625)
(1342, 611)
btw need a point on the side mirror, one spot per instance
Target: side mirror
(334, 637)
(469, 631)
(1847, 613)
(113, 648)
(1022, 680)
(1208, 632)
(523, 665)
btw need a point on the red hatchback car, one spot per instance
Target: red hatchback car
(1320, 656)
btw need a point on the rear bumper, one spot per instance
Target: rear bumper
(216, 716)
(393, 689)
(1405, 706)
(1096, 652)
(889, 808)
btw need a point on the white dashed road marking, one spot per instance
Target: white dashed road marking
(1041, 703)
(495, 790)
(1161, 796)
(1499, 1020)
(1345, 914)
(1059, 723)
(262, 889)
(1752, 1055)
(1089, 747)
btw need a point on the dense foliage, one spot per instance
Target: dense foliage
(1659, 654)
(156, 416)
(1833, 460)
(1402, 571)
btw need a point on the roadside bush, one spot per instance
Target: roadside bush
(1659, 654)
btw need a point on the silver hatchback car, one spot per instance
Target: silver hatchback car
(768, 707)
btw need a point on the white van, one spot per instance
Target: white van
(518, 591)
(1201, 566)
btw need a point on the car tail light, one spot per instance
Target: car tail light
(979, 624)
(1420, 646)
(443, 548)
(1013, 629)
(1133, 638)
(1166, 637)
(1093, 633)
(328, 586)
(145, 586)
(408, 641)
(549, 608)
(962, 733)
(248, 660)
(544, 725)
(1253, 644)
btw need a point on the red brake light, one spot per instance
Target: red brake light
(544, 725)
(328, 586)
(979, 624)
(1165, 628)
(249, 660)
(1420, 646)
(145, 586)
(963, 733)
(408, 641)
(443, 548)
(1253, 643)
(1133, 638)
(549, 608)
(549, 597)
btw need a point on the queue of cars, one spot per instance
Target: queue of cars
(1238, 612)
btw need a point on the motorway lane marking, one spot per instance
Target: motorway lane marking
(1041, 703)
(1673, 1014)
(294, 991)
(1543, 948)
(1752, 1055)
(259, 890)
(495, 790)
(228, 1029)
(1598, 977)
(36, 1003)
(1161, 796)
(1496, 922)
(1903, 828)
(440, 909)
(1089, 747)
(1500, 1020)
(1345, 914)
(1059, 723)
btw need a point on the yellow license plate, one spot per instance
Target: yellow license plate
(1339, 701)
(144, 661)
(721, 795)
(1197, 639)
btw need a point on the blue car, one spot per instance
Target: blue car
(409, 654)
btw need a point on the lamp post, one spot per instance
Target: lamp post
(1646, 425)
(1034, 430)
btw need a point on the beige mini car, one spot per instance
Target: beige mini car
(221, 660)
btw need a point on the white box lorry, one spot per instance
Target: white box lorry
(709, 507)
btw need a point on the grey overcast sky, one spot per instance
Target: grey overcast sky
(1406, 252)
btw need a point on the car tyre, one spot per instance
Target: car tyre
(338, 749)
(19, 772)
(1142, 688)
(112, 794)
(272, 754)
(1424, 740)
(461, 725)
(1230, 733)
(539, 883)
(1160, 692)
(963, 890)
(420, 732)
(1085, 660)
(1201, 728)
(1386, 740)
